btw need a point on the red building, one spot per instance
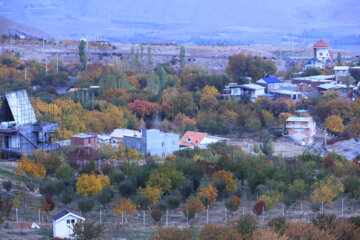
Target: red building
(84, 140)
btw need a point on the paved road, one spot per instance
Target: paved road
(63, 90)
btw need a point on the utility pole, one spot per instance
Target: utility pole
(25, 73)
(45, 64)
(57, 63)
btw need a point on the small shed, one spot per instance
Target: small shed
(63, 223)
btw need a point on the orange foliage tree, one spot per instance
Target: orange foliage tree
(29, 168)
(227, 177)
(210, 192)
(143, 108)
(125, 207)
(334, 124)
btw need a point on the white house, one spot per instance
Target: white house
(252, 91)
(313, 63)
(271, 84)
(117, 136)
(63, 223)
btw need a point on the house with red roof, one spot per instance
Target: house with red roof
(193, 139)
(322, 51)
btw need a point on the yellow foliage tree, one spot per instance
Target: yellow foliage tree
(334, 124)
(210, 192)
(327, 190)
(91, 184)
(29, 168)
(227, 177)
(210, 90)
(151, 193)
(283, 116)
(159, 181)
(271, 198)
(125, 207)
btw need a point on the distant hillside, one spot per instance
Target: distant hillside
(10, 27)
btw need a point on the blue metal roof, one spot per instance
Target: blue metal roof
(271, 80)
(64, 213)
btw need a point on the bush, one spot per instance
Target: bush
(116, 178)
(246, 225)
(127, 188)
(7, 185)
(86, 205)
(156, 214)
(322, 221)
(65, 172)
(278, 224)
(173, 201)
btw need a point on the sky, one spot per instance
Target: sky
(208, 21)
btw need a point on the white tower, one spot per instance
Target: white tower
(322, 51)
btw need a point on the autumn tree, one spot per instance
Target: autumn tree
(91, 184)
(166, 177)
(259, 207)
(29, 168)
(211, 232)
(192, 206)
(233, 203)
(327, 190)
(210, 192)
(47, 205)
(271, 198)
(334, 124)
(227, 177)
(246, 225)
(125, 207)
(151, 193)
(210, 90)
(268, 234)
(142, 108)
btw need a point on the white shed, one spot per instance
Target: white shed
(63, 223)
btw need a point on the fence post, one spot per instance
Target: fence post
(225, 215)
(144, 218)
(207, 214)
(167, 219)
(243, 211)
(122, 218)
(39, 215)
(100, 215)
(17, 219)
(283, 210)
(187, 218)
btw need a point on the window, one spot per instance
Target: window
(68, 221)
(320, 54)
(72, 220)
(163, 144)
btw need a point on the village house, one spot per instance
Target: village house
(198, 139)
(313, 63)
(345, 91)
(153, 142)
(20, 131)
(243, 92)
(63, 223)
(82, 156)
(294, 95)
(313, 81)
(270, 84)
(301, 129)
(117, 135)
(85, 140)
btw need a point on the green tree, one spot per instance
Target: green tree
(65, 172)
(246, 225)
(267, 146)
(87, 230)
(182, 59)
(338, 59)
(86, 205)
(150, 60)
(105, 197)
(82, 55)
(352, 186)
